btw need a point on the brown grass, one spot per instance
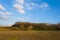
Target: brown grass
(29, 35)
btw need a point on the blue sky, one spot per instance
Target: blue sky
(38, 11)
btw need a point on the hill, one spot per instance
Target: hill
(36, 26)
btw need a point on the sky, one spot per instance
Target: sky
(37, 11)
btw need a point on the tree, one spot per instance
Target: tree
(30, 27)
(58, 26)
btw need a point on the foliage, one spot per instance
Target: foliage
(36, 26)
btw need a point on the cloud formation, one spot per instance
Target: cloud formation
(5, 15)
(20, 1)
(19, 6)
(43, 5)
(33, 5)
(28, 7)
(1, 7)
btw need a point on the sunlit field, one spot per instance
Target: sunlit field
(29, 19)
(29, 35)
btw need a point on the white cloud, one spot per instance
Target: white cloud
(46, 5)
(43, 5)
(5, 15)
(28, 7)
(33, 4)
(20, 1)
(8, 13)
(22, 11)
(1, 13)
(19, 6)
(1, 7)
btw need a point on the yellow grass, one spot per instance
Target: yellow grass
(4, 29)
(29, 35)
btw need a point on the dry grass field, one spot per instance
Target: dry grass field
(29, 35)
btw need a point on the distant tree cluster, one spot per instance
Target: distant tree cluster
(36, 26)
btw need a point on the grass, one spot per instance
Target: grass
(29, 35)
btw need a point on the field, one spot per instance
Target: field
(29, 35)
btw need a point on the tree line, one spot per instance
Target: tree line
(36, 26)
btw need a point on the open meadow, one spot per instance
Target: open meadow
(29, 35)
(29, 19)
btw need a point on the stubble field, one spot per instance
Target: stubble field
(29, 35)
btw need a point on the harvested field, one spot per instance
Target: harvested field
(29, 35)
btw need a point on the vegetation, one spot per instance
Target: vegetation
(29, 35)
(30, 31)
(36, 26)
(26, 26)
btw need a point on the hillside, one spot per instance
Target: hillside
(36, 26)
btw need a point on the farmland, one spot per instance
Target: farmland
(29, 35)
(30, 31)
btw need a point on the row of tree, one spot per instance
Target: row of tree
(36, 26)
